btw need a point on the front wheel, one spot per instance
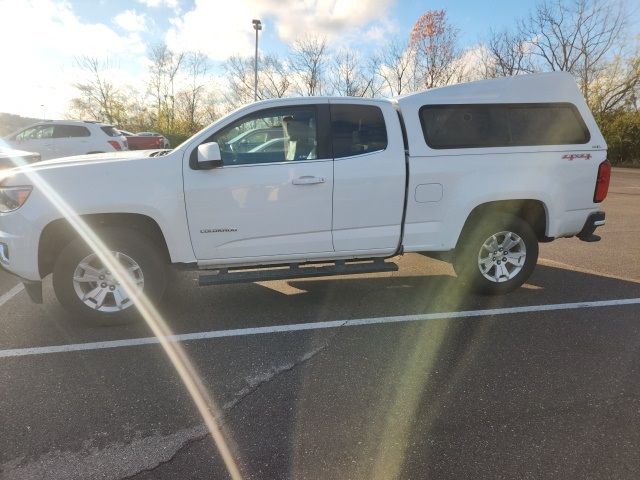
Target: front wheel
(87, 289)
(497, 254)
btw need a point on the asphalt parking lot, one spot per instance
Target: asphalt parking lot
(360, 377)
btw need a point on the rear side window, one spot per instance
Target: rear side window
(66, 131)
(357, 129)
(502, 125)
(109, 130)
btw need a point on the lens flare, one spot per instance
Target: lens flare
(176, 354)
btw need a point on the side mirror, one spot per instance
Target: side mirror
(209, 156)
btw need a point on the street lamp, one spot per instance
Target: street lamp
(257, 25)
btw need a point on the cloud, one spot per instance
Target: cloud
(157, 3)
(131, 21)
(222, 32)
(43, 67)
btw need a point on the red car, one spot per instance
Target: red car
(145, 140)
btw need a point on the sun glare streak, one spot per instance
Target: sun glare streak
(176, 354)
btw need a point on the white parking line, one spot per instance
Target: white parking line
(5, 297)
(297, 327)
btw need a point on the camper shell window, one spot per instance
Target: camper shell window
(502, 125)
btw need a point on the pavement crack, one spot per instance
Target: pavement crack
(200, 433)
(275, 372)
(250, 389)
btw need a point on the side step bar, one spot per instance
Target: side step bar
(227, 276)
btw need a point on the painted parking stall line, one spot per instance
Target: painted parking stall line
(298, 327)
(5, 297)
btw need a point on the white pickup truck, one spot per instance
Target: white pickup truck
(476, 173)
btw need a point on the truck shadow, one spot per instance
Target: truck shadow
(301, 301)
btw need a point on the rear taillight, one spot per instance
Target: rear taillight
(602, 182)
(115, 144)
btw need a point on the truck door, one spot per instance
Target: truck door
(369, 176)
(271, 200)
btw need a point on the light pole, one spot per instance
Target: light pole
(257, 25)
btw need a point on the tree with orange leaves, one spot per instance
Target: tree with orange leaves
(435, 44)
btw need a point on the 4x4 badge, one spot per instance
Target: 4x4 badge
(573, 156)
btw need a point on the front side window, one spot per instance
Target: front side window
(275, 135)
(357, 129)
(38, 132)
(502, 125)
(27, 134)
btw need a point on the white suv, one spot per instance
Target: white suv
(64, 138)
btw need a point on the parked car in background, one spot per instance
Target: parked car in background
(65, 138)
(14, 158)
(273, 145)
(146, 140)
(251, 139)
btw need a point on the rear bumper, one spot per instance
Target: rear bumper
(595, 220)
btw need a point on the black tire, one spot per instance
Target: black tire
(471, 246)
(131, 243)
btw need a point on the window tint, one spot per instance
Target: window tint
(357, 129)
(275, 135)
(109, 130)
(66, 131)
(502, 125)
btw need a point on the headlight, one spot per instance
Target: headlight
(12, 198)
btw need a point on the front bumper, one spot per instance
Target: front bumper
(32, 287)
(595, 220)
(19, 246)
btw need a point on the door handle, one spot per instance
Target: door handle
(307, 180)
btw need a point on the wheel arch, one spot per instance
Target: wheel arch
(58, 233)
(532, 211)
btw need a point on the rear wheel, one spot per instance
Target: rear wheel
(496, 254)
(86, 287)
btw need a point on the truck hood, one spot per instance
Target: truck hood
(80, 160)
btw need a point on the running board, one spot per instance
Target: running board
(227, 276)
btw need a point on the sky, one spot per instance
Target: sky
(39, 39)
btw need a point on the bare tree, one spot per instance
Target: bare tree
(99, 97)
(396, 67)
(508, 53)
(163, 71)
(308, 61)
(239, 73)
(575, 36)
(274, 79)
(212, 110)
(617, 86)
(349, 76)
(435, 43)
(190, 99)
